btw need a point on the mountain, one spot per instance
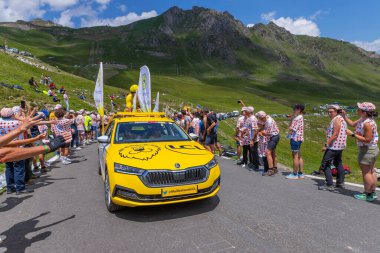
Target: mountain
(212, 47)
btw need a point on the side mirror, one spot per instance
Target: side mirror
(194, 137)
(103, 139)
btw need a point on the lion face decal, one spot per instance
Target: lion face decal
(143, 152)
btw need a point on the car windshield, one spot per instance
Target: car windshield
(131, 132)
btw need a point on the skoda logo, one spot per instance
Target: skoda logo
(177, 165)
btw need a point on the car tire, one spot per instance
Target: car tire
(111, 207)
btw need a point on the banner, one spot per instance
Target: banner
(144, 91)
(98, 92)
(157, 106)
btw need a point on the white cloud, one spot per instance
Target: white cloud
(12, 10)
(117, 21)
(59, 4)
(268, 16)
(122, 8)
(297, 26)
(66, 16)
(369, 45)
(250, 25)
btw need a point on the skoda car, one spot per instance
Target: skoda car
(146, 159)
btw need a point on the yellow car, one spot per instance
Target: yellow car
(146, 159)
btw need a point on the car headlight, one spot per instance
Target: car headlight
(211, 164)
(120, 168)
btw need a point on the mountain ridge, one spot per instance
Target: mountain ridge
(206, 44)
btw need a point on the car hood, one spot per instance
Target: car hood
(160, 155)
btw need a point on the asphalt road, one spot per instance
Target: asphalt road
(67, 213)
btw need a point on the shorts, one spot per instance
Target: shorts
(273, 141)
(210, 139)
(80, 132)
(94, 128)
(368, 155)
(295, 145)
(67, 145)
(38, 143)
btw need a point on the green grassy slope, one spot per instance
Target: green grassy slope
(17, 72)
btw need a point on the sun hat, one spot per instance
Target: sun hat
(261, 114)
(41, 114)
(250, 109)
(366, 106)
(244, 109)
(335, 107)
(6, 112)
(16, 109)
(58, 106)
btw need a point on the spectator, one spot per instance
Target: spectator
(272, 134)
(239, 125)
(14, 171)
(210, 121)
(333, 149)
(55, 98)
(33, 83)
(74, 132)
(367, 137)
(52, 86)
(94, 126)
(80, 126)
(253, 145)
(66, 99)
(296, 138)
(60, 128)
(87, 127)
(62, 89)
(245, 135)
(185, 121)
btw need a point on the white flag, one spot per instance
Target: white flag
(144, 91)
(157, 106)
(98, 92)
(134, 103)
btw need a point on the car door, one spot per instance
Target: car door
(103, 148)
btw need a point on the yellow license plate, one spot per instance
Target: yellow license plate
(179, 190)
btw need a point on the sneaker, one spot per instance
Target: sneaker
(239, 163)
(340, 186)
(326, 188)
(292, 176)
(66, 162)
(25, 191)
(10, 191)
(362, 196)
(30, 182)
(372, 197)
(256, 168)
(78, 148)
(243, 165)
(275, 170)
(44, 170)
(269, 173)
(68, 159)
(36, 170)
(34, 176)
(301, 176)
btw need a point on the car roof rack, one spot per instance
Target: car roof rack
(139, 114)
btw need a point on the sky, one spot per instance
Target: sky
(348, 20)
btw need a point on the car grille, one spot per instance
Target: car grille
(169, 178)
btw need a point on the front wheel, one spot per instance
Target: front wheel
(111, 207)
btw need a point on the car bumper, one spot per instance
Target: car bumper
(135, 193)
